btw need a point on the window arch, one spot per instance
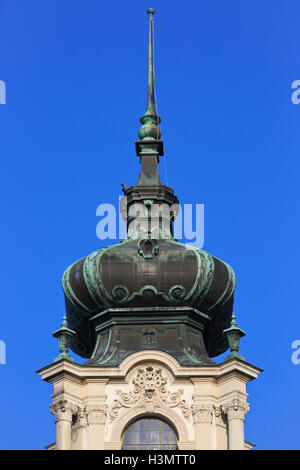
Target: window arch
(149, 434)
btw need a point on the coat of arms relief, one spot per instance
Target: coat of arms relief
(150, 390)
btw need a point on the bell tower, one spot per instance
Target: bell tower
(149, 314)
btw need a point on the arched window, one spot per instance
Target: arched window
(149, 433)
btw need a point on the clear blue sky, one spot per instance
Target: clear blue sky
(75, 73)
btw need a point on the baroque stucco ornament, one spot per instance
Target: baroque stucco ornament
(203, 413)
(96, 414)
(150, 391)
(236, 408)
(63, 410)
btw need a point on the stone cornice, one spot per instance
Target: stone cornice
(220, 372)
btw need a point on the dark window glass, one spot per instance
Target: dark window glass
(150, 434)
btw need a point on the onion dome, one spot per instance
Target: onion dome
(149, 291)
(149, 273)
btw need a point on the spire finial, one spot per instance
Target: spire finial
(150, 120)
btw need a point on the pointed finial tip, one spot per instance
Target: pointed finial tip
(150, 11)
(233, 319)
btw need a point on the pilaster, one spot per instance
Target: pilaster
(96, 417)
(78, 431)
(220, 425)
(203, 426)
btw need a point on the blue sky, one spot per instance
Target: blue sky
(75, 74)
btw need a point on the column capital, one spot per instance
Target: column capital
(80, 417)
(63, 410)
(235, 409)
(202, 413)
(96, 414)
(219, 416)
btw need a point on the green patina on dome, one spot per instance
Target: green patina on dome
(150, 291)
(117, 277)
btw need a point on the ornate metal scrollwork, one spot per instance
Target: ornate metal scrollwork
(148, 248)
(120, 293)
(177, 293)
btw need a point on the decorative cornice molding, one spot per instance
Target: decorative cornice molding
(149, 392)
(221, 373)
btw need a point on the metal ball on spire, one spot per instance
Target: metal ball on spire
(150, 11)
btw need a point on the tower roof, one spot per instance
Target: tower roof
(149, 282)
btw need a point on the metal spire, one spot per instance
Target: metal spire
(150, 92)
(150, 130)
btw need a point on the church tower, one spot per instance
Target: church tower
(149, 314)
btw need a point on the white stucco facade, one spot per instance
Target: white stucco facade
(205, 405)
